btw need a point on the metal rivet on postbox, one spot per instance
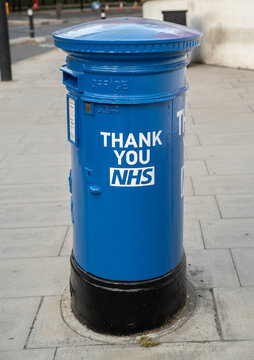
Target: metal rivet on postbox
(128, 263)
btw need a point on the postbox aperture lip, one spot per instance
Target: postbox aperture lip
(137, 35)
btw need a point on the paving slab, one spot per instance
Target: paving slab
(192, 237)
(218, 114)
(38, 99)
(246, 95)
(188, 189)
(56, 119)
(236, 312)
(68, 243)
(192, 140)
(208, 269)
(31, 242)
(33, 193)
(12, 149)
(7, 136)
(242, 85)
(201, 326)
(227, 139)
(40, 140)
(243, 259)
(32, 114)
(35, 161)
(230, 166)
(236, 206)
(30, 120)
(208, 93)
(3, 173)
(200, 207)
(34, 354)
(245, 121)
(39, 106)
(195, 168)
(56, 147)
(34, 215)
(207, 185)
(188, 118)
(228, 233)
(223, 105)
(33, 276)
(196, 87)
(16, 318)
(51, 331)
(37, 176)
(178, 351)
(11, 133)
(220, 152)
(47, 132)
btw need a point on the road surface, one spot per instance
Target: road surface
(45, 29)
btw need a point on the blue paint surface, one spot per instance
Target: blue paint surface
(125, 35)
(128, 153)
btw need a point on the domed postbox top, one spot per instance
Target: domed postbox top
(130, 35)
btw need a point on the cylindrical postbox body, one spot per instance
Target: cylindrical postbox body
(126, 119)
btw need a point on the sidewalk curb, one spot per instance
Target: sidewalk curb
(28, 40)
(37, 22)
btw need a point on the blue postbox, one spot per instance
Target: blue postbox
(126, 86)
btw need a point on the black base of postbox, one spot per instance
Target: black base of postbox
(125, 308)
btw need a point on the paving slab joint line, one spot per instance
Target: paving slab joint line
(234, 264)
(216, 200)
(199, 142)
(22, 137)
(217, 320)
(185, 154)
(193, 120)
(206, 166)
(3, 178)
(251, 108)
(191, 182)
(54, 356)
(32, 326)
(202, 234)
(3, 157)
(240, 97)
(26, 148)
(65, 236)
(232, 84)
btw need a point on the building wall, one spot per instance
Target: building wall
(153, 9)
(227, 26)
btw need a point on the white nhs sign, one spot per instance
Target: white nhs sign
(132, 176)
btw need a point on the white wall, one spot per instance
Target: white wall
(153, 9)
(227, 26)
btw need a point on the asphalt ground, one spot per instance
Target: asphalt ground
(25, 51)
(69, 18)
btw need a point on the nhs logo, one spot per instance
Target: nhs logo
(132, 176)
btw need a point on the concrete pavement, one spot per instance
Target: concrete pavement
(35, 225)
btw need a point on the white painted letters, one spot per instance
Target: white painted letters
(119, 156)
